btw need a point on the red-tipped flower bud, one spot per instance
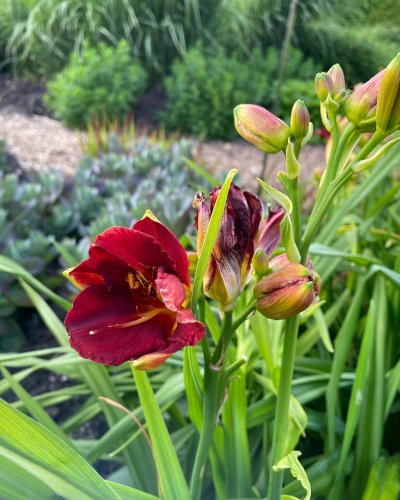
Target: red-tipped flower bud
(299, 120)
(361, 104)
(388, 106)
(287, 291)
(261, 128)
(323, 86)
(338, 82)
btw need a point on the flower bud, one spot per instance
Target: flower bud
(299, 120)
(260, 264)
(261, 128)
(287, 291)
(338, 83)
(323, 86)
(360, 106)
(388, 105)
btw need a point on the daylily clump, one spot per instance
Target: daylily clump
(134, 296)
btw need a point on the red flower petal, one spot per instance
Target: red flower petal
(269, 235)
(137, 249)
(169, 242)
(98, 310)
(101, 267)
(171, 290)
(189, 331)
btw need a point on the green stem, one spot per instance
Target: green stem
(251, 306)
(212, 398)
(370, 146)
(204, 340)
(296, 217)
(226, 335)
(214, 387)
(282, 406)
(317, 215)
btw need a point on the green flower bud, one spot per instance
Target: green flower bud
(260, 264)
(261, 128)
(388, 106)
(323, 86)
(299, 120)
(287, 291)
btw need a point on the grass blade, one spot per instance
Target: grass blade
(173, 483)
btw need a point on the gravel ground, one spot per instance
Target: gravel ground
(40, 142)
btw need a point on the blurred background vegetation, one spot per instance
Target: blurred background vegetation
(212, 54)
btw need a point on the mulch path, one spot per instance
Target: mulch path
(35, 140)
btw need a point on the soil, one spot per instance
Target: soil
(35, 140)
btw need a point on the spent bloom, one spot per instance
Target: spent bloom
(132, 305)
(240, 234)
(261, 128)
(287, 291)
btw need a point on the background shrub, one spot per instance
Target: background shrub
(361, 49)
(102, 82)
(293, 89)
(203, 89)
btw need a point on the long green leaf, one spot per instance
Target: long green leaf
(173, 483)
(9, 266)
(29, 445)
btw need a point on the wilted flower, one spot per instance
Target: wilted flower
(238, 237)
(261, 128)
(299, 120)
(287, 291)
(360, 106)
(388, 105)
(134, 288)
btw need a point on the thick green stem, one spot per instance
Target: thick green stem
(214, 386)
(212, 398)
(282, 406)
(244, 315)
(226, 335)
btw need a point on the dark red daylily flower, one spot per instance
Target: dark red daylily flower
(134, 288)
(239, 235)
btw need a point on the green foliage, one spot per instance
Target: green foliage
(41, 34)
(203, 89)
(101, 82)
(361, 49)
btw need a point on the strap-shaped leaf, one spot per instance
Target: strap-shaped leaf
(173, 483)
(29, 445)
